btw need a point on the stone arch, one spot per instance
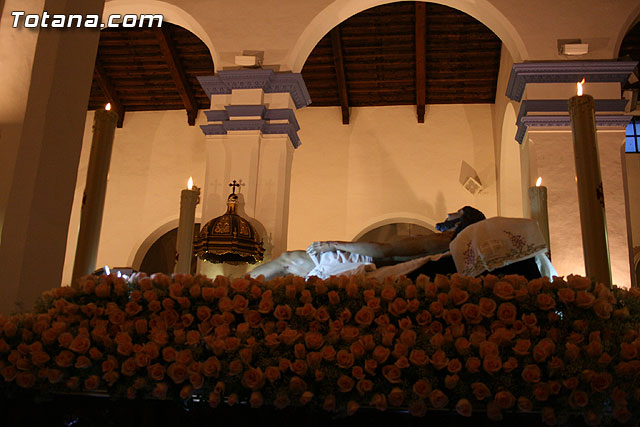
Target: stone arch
(510, 175)
(633, 18)
(171, 13)
(339, 11)
(138, 253)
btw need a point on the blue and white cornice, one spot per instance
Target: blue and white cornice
(280, 121)
(566, 72)
(269, 81)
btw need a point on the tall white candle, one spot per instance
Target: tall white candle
(189, 198)
(539, 211)
(104, 126)
(590, 193)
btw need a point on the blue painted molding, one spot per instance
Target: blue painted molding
(263, 124)
(559, 105)
(566, 72)
(618, 120)
(267, 80)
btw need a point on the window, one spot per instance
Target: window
(632, 141)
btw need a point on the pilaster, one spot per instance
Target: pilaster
(251, 135)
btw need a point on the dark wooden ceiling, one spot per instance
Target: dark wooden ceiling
(151, 69)
(395, 53)
(407, 53)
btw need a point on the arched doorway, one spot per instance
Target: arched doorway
(161, 256)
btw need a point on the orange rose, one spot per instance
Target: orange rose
(82, 362)
(507, 312)
(522, 347)
(64, 359)
(578, 399)
(566, 295)
(39, 358)
(503, 290)
(357, 372)
(398, 307)
(451, 381)
(531, 373)
(345, 383)
(235, 367)
(487, 307)
(334, 298)
(25, 379)
(329, 403)
(543, 350)
(471, 313)
(392, 373)
(438, 399)
(541, 391)
(525, 404)
(313, 340)
(584, 299)
(289, 336)
(388, 293)
(357, 349)
(473, 365)
(272, 373)
(464, 408)
(601, 381)
(436, 309)
(504, 399)
(422, 388)
(370, 366)
(349, 334)
(480, 390)
(380, 354)
(488, 348)
(454, 366)
(364, 386)
(602, 308)
(328, 353)
(492, 364)
(396, 397)
(253, 379)
(379, 401)
(453, 316)
(128, 367)
(423, 318)
(439, 360)
(578, 283)
(462, 345)
(211, 367)
(299, 367)
(418, 357)
(572, 351)
(509, 365)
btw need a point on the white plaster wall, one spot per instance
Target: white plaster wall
(554, 161)
(154, 154)
(385, 165)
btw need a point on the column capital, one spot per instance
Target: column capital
(255, 111)
(269, 81)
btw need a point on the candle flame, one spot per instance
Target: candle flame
(580, 87)
(108, 106)
(190, 183)
(539, 181)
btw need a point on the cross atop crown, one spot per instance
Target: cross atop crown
(234, 185)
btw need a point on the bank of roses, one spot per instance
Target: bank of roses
(561, 348)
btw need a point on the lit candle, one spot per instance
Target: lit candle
(539, 212)
(104, 126)
(590, 193)
(189, 198)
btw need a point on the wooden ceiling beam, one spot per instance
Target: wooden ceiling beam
(176, 69)
(421, 62)
(336, 44)
(109, 92)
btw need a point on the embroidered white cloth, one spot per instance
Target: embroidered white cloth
(337, 263)
(497, 242)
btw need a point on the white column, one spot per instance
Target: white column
(249, 139)
(40, 196)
